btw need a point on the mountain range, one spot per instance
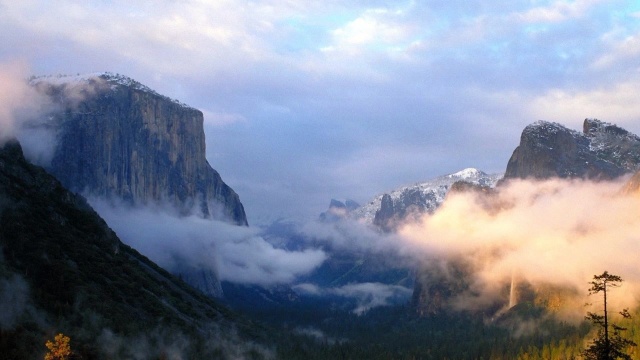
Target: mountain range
(119, 141)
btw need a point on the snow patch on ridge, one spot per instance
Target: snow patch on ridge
(434, 189)
(113, 79)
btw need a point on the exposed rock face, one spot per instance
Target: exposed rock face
(119, 138)
(601, 151)
(338, 210)
(408, 203)
(465, 186)
(437, 283)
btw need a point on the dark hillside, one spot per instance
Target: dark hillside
(78, 278)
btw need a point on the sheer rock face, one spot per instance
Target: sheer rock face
(601, 151)
(120, 139)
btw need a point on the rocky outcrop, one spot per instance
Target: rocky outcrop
(409, 203)
(437, 283)
(601, 151)
(338, 210)
(118, 138)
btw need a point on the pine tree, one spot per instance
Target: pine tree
(609, 344)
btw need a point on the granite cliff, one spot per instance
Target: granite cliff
(118, 138)
(600, 151)
(547, 150)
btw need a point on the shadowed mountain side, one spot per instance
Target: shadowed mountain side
(82, 280)
(119, 140)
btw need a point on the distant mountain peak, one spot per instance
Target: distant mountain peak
(117, 139)
(414, 200)
(339, 209)
(468, 173)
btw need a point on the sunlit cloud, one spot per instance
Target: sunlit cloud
(550, 233)
(19, 102)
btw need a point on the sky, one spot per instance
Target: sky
(305, 101)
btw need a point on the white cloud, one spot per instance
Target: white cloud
(164, 36)
(235, 253)
(615, 103)
(557, 11)
(375, 28)
(370, 295)
(619, 50)
(367, 295)
(555, 232)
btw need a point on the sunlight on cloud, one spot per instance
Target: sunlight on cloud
(20, 105)
(555, 232)
(375, 29)
(13, 94)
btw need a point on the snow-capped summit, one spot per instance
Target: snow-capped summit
(424, 197)
(468, 173)
(600, 151)
(97, 81)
